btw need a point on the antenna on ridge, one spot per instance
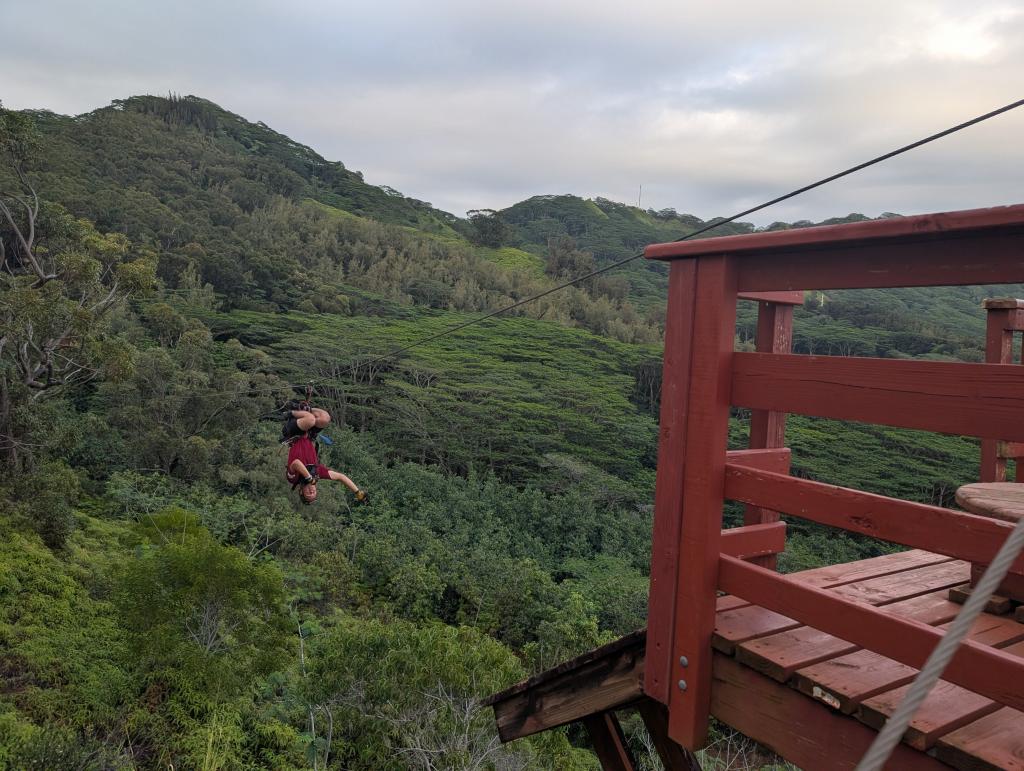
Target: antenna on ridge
(639, 196)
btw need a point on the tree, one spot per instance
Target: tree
(565, 261)
(489, 227)
(205, 622)
(60, 277)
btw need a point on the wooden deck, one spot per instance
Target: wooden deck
(815, 699)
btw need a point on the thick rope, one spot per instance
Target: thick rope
(878, 754)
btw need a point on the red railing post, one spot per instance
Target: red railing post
(704, 454)
(668, 495)
(768, 427)
(1004, 317)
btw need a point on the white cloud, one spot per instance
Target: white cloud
(711, 106)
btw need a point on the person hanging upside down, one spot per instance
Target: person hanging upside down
(303, 469)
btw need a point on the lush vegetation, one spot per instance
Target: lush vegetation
(165, 601)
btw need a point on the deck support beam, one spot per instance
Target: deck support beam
(609, 743)
(673, 757)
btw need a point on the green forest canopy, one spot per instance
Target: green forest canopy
(163, 598)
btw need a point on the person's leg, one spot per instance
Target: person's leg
(323, 417)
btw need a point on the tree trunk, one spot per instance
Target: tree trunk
(8, 447)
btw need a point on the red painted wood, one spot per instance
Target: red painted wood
(985, 400)
(668, 495)
(775, 459)
(847, 681)
(844, 682)
(753, 542)
(848, 573)
(1010, 303)
(738, 621)
(774, 335)
(1012, 587)
(738, 625)
(609, 743)
(673, 757)
(800, 729)
(994, 742)
(1011, 449)
(706, 442)
(768, 428)
(958, 534)
(955, 225)
(998, 350)
(779, 655)
(874, 567)
(989, 672)
(987, 258)
(946, 708)
(783, 298)
(879, 591)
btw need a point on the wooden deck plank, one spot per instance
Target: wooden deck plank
(801, 730)
(780, 655)
(909, 583)
(874, 567)
(844, 682)
(992, 743)
(728, 602)
(736, 626)
(947, 708)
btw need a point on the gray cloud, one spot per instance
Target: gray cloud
(710, 106)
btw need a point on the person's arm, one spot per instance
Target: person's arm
(337, 476)
(304, 419)
(299, 468)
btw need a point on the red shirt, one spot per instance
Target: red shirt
(303, 449)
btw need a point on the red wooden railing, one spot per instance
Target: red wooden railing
(693, 558)
(1005, 317)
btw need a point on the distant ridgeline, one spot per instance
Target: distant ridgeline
(259, 216)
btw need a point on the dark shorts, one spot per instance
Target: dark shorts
(315, 469)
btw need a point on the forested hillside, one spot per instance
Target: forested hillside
(164, 598)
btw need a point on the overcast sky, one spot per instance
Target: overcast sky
(710, 106)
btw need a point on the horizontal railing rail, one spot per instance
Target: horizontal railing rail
(995, 259)
(985, 400)
(917, 525)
